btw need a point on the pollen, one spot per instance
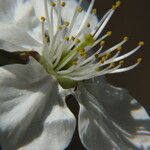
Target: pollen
(109, 33)
(53, 4)
(78, 40)
(66, 23)
(73, 38)
(121, 62)
(141, 43)
(98, 69)
(74, 63)
(139, 60)
(88, 25)
(119, 49)
(94, 11)
(96, 55)
(102, 43)
(66, 38)
(60, 27)
(63, 4)
(79, 9)
(125, 38)
(118, 3)
(42, 19)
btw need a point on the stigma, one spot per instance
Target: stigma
(81, 55)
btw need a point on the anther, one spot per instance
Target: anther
(79, 9)
(112, 65)
(139, 60)
(125, 38)
(60, 27)
(74, 63)
(107, 55)
(66, 38)
(42, 18)
(78, 40)
(88, 25)
(96, 55)
(66, 23)
(118, 3)
(119, 49)
(94, 11)
(72, 38)
(102, 43)
(109, 33)
(53, 4)
(121, 62)
(97, 69)
(63, 4)
(141, 43)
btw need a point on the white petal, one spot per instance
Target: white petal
(7, 8)
(31, 108)
(7, 46)
(58, 130)
(111, 119)
(18, 37)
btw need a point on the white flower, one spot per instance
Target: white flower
(33, 112)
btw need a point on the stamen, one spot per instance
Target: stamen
(63, 4)
(127, 68)
(53, 4)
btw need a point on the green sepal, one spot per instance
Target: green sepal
(66, 83)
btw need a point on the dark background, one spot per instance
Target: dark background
(132, 19)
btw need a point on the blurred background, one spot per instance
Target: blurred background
(132, 19)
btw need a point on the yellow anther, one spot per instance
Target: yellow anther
(81, 54)
(141, 43)
(79, 9)
(119, 49)
(82, 50)
(125, 38)
(112, 65)
(78, 40)
(60, 27)
(121, 62)
(94, 11)
(85, 55)
(96, 56)
(103, 60)
(53, 4)
(42, 18)
(63, 4)
(74, 63)
(118, 3)
(98, 69)
(66, 23)
(114, 7)
(72, 38)
(109, 33)
(139, 60)
(88, 25)
(107, 55)
(66, 38)
(102, 43)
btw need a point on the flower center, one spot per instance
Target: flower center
(68, 46)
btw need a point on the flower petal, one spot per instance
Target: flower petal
(110, 118)
(18, 37)
(7, 46)
(32, 112)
